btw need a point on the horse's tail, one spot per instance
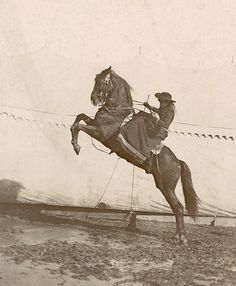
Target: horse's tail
(190, 196)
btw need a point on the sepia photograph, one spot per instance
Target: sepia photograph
(117, 146)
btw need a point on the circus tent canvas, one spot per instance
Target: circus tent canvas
(46, 166)
(46, 77)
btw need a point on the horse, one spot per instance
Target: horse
(113, 94)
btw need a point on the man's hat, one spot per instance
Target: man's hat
(164, 96)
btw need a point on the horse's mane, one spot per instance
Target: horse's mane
(114, 74)
(127, 86)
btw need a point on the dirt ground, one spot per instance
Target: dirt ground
(103, 252)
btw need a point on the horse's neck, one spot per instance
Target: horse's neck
(120, 95)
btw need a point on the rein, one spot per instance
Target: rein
(104, 96)
(138, 102)
(104, 151)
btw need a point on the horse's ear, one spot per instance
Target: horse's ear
(106, 71)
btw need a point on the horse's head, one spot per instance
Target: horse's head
(102, 88)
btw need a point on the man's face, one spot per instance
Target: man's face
(163, 103)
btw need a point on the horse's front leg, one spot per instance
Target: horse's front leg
(75, 128)
(92, 131)
(74, 140)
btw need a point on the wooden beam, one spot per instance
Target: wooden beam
(39, 207)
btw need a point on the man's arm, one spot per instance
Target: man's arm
(152, 108)
(161, 123)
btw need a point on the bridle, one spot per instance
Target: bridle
(103, 95)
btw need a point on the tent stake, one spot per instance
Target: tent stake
(132, 221)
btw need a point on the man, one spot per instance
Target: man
(166, 113)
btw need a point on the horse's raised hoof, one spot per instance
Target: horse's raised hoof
(77, 149)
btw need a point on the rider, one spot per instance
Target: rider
(166, 113)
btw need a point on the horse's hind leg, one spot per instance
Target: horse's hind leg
(166, 181)
(75, 128)
(178, 210)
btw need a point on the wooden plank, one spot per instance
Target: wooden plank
(39, 207)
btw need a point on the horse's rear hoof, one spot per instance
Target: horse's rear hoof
(182, 240)
(175, 237)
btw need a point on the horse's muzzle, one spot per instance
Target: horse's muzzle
(95, 100)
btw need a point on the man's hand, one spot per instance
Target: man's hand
(147, 105)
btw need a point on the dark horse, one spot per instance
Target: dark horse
(113, 94)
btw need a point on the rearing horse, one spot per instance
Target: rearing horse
(113, 94)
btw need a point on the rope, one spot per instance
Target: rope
(64, 125)
(136, 101)
(108, 183)
(132, 196)
(104, 151)
(132, 189)
(36, 110)
(205, 126)
(105, 189)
